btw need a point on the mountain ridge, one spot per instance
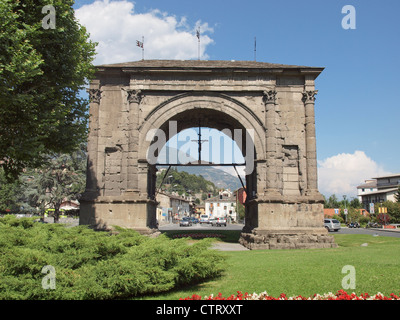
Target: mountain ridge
(221, 178)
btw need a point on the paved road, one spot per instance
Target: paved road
(198, 226)
(345, 230)
(223, 246)
(372, 231)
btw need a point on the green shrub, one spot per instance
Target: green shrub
(338, 218)
(96, 265)
(364, 221)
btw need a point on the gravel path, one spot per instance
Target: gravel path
(226, 246)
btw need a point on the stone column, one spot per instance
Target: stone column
(134, 98)
(271, 143)
(311, 149)
(91, 179)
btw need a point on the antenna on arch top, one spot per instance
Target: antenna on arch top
(255, 49)
(198, 41)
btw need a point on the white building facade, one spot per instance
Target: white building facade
(222, 206)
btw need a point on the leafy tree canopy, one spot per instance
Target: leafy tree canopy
(62, 178)
(41, 74)
(397, 195)
(334, 202)
(183, 182)
(9, 194)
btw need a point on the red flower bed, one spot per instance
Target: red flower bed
(340, 295)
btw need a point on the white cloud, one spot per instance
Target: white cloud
(342, 173)
(116, 26)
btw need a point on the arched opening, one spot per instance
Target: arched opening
(200, 166)
(201, 138)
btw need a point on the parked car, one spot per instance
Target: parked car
(194, 220)
(332, 224)
(185, 222)
(219, 222)
(212, 221)
(203, 218)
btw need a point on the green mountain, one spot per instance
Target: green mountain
(220, 178)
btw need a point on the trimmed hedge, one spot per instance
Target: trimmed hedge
(96, 265)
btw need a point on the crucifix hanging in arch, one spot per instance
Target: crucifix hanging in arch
(199, 142)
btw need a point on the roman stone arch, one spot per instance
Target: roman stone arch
(188, 109)
(271, 105)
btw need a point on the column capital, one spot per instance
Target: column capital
(134, 96)
(94, 95)
(309, 96)
(269, 96)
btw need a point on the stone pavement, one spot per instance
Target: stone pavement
(225, 246)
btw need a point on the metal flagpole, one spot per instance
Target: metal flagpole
(141, 45)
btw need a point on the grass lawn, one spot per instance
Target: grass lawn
(309, 271)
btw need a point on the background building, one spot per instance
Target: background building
(172, 207)
(222, 205)
(378, 190)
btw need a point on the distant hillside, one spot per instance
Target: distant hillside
(220, 178)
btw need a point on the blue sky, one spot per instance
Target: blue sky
(357, 107)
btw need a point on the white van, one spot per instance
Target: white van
(203, 218)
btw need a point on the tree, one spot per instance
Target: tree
(240, 210)
(332, 202)
(63, 178)
(42, 72)
(393, 210)
(182, 182)
(353, 214)
(355, 203)
(9, 194)
(397, 195)
(383, 218)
